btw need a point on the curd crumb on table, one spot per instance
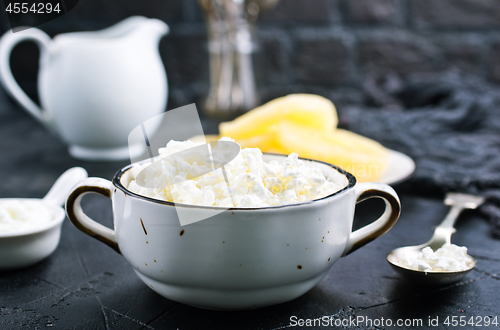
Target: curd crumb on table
(253, 182)
(449, 257)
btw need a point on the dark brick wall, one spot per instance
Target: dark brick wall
(329, 47)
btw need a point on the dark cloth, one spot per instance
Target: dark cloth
(450, 126)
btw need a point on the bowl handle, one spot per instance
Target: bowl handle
(380, 226)
(81, 220)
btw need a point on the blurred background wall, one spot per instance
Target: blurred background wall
(337, 48)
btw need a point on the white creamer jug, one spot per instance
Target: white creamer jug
(94, 87)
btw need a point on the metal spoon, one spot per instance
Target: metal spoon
(442, 235)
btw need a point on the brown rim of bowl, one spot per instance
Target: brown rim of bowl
(351, 182)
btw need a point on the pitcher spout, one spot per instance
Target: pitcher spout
(151, 29)
(157, 26)
(134, 25)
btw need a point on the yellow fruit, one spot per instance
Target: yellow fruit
(265, 142)
(305, 109)
(306, 124)
(363, 157)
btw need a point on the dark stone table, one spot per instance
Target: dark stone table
(87, 285)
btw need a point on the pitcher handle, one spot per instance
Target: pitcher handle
(81, 220)
(380, 226)
(7, 43)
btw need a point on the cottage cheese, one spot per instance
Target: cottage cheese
(21, 215)
(252, 182)
(449, 257)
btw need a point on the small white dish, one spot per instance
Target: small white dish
(26, 247)
(401, 167)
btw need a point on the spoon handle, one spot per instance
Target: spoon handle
(59, 192)
(451, 217)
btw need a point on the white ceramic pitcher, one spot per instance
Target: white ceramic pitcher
(94, 87)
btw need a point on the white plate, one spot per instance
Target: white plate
(400, 168)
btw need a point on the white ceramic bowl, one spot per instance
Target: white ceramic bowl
(241, 258)
(25, 248)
